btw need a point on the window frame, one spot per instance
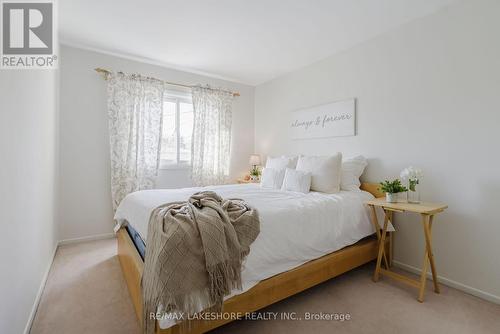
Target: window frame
(177, 98)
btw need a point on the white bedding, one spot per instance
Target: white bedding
(294, 227)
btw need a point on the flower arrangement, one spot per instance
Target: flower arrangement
(412, 176)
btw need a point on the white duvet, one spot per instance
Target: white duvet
(294, 227)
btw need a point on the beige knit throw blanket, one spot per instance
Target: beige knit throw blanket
(194, 254)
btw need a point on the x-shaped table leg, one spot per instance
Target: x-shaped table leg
(428, 258)
(381, 247)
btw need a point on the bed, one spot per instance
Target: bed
(305, 239)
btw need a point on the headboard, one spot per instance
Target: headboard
(372, 188)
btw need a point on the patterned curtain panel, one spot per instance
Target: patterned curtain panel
(135, 107)
(211, 145)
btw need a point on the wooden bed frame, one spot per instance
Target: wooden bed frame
(266, 292)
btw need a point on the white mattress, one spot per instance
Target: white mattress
(294, 227)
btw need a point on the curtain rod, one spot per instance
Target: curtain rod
(105, 73)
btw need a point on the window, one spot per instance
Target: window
(177, 131)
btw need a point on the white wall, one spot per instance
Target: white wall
(28, 139)
(84, 156)
(428, 94)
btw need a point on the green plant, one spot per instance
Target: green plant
(255, 171)
(413, 184)
(392, 187)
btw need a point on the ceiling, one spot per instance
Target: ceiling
(248, 41)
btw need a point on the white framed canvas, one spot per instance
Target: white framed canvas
(327, 120)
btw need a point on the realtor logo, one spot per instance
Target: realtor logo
(28, 35)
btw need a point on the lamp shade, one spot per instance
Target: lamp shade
(254, 160)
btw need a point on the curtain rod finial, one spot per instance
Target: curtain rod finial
(102, 71)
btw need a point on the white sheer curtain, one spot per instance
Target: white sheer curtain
(211, 145)
(135, 107)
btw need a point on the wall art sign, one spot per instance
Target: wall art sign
(328, 120)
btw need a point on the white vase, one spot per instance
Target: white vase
(391, 198)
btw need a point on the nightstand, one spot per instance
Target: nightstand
(427, 212)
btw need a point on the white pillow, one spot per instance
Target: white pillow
(296, 181)
(272, 178)
(325, 171)
(282, 162)
(352, 168)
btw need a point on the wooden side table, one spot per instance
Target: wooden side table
(427, 212)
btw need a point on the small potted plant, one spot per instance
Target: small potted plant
(255, 174)
(391, 189)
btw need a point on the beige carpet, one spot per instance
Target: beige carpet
(86, 293)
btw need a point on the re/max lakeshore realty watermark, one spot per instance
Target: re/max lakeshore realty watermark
(264, 316)
(28, 36)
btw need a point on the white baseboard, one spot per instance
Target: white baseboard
(451, 283)
(39, 293)
(89, 238)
